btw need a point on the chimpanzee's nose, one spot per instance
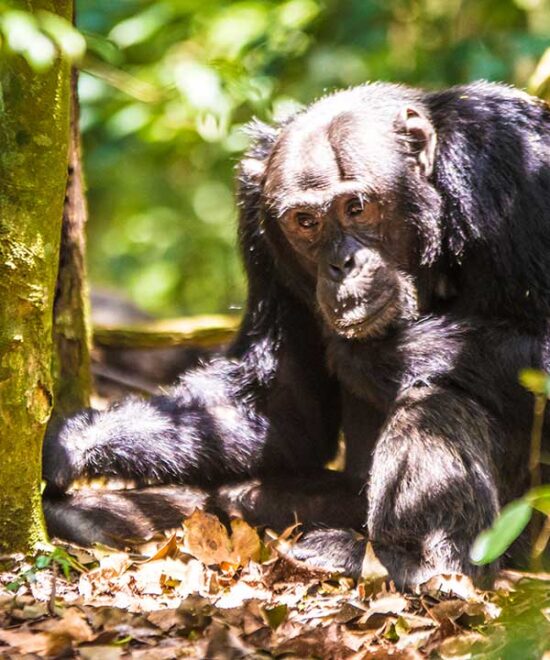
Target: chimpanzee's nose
(341, 267)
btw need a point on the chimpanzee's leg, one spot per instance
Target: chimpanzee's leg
(117, 518)
(432, 486)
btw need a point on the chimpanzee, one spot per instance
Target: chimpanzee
(397, 248)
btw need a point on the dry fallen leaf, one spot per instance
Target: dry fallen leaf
(207, 539)
(114, 564)
(52, 637)
(390, 603)
(73, 624)
(25, 641)
(372, 569)
(455, 583)
(166, 619)
(327, 643)
(31, 611)
(169, 549)
(240, 592)
(155, 577)
(448, 609)
(460, 646)
(100, 652)
(245, 542)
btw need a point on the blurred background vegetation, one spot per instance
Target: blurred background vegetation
(167, 86)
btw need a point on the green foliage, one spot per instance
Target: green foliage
(515, 516)
(51, 557)
(539, 82)
(522, 631)
(539, 499)
(513, 519)
(494, 542)
(169, 85)
(537, 382)
(275, 616)
(38, 37)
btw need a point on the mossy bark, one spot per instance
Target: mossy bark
(34, 141)
(72, 332)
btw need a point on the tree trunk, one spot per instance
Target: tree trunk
(34, 141)
(72, 335)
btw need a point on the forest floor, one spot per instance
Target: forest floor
(204, 592)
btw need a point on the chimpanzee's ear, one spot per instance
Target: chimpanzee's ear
(253, 164)
(420, 135)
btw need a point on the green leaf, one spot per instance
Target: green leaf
(265, 553)
(391, 633)
(66, 36)
(493, 542)
(539, 499)
(535, 381)
(274, 616)
(65, 567)
(42, 561)
(24, 36)
(137, 29)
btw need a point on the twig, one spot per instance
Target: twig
(534, 470)
(536, 440)
(541, 541)
(51, 601)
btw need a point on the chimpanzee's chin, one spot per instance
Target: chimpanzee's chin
(364, 321)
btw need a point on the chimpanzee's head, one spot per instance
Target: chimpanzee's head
(347, 182)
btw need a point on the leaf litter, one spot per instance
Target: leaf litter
(209, 591)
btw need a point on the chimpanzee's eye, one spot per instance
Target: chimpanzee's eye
(354, 207)
(362, 212)
(306, 220)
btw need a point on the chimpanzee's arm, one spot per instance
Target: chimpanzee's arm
(268, 404)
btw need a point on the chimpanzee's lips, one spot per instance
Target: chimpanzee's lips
(363, 317)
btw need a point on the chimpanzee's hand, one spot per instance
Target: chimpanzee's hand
(63, 451)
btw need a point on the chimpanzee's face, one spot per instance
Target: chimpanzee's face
(336, 183)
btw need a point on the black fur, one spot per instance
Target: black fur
(436, 425)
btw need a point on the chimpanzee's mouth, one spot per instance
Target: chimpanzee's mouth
(363, 320)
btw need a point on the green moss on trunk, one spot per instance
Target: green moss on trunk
(34, 139)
